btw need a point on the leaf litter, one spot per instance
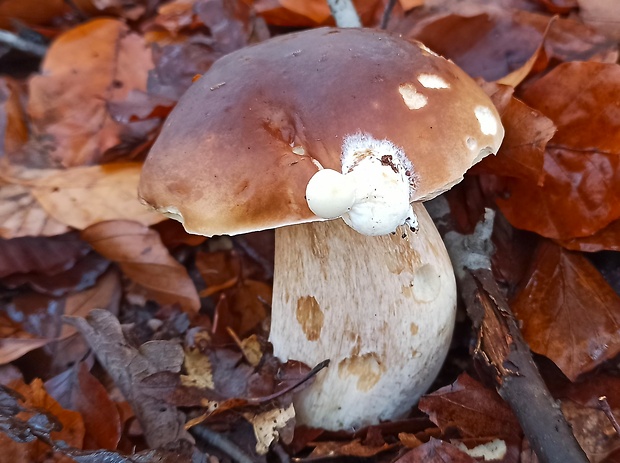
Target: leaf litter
(179, 324)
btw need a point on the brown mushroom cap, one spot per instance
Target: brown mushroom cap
(238, 150)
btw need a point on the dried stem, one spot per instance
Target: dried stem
(344, 13)
(18, 43)
(387, 12)
(221, 443)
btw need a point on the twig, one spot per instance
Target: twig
(387, 12)
(221, 443)
(18, 43)
(500, 345)
(344, 13)
(602, 401)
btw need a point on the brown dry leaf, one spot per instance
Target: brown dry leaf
(21, 214)
(78, 390)
(270, 426)
(129, 367)
(85, 69)
(606, 239)
(527, 133)
(37, 319)
(436, 451)
(30, 12)
(13, 128)
(490, 41)
(46, 256)
(141, 255)
(581, 190)
(472, 408)
(353, 448)
(604, 15)
(568, 311)
(71, 429)
(83, 196)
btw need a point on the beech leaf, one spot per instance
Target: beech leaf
(568, 311)
(141, 255)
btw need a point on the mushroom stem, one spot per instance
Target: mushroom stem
(381, 308)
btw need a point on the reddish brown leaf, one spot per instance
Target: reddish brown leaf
(13, 128)
(569, 312)
(606, 239)
(354, 448)
(30, 12)
(581, 188)
(472, 408)
(527, 133)
(78, 390)
(71, 430)
(86, 68)
(436, 451)
(143, 258)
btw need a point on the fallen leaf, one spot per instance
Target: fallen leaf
(580, 193)
(13, 127)
(142, 257)
(606, 239)
(47, 256)
(128, 366)
(37, 319)
(83, 196)
(604, 15)
(473, 409)
(87, 67)
(78, 390)
(67, 426)
(269, 425)
(568, 311)
(436, 451)
(30, 12)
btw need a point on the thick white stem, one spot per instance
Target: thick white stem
(381, 308)
(344, 13)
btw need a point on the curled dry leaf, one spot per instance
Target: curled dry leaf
(141, 255)
(83, 196)
(85, 69)
(272, 426)
(568, 311)
(580, 193)
(606, 239)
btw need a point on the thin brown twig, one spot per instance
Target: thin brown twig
(604, 404)
(387, 13)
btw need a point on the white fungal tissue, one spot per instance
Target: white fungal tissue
(372, 194)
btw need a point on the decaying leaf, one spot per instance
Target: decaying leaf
(270, 426)
(473, 409)
(95, 63)
(143, 258)
(436, 451)
(568, 311)
(128, 366)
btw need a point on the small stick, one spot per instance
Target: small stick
(18, 43)
(387, 12)
(344, 13)
(602, 401)
(221, 443)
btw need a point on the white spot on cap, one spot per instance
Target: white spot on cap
(432, 81)
(299, 150)
(330, 194)
(412, 98)
(172, 213)
(472, 144)
(487, 120)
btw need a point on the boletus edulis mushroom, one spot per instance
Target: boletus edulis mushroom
(300, 131)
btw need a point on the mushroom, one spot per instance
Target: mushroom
(300, 130)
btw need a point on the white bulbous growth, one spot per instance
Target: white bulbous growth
(372, 194)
